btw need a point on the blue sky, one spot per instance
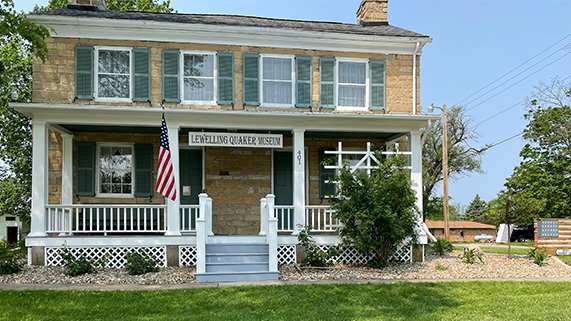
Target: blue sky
(474, 43)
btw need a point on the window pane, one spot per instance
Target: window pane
(198, 89)
(126, 189)
(113, 86)
(353, 96)
(106, 188)
(277, 92)
(199, 65)
(113, 61)
(115, 169)
(352, 72)
(277, 69)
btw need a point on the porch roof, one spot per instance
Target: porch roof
(278, 120)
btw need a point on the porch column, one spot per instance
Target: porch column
(67, 170)
(298, 179)
(415, 146)
(39, 178)
(173, 221)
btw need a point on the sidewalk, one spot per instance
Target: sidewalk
(158, 287)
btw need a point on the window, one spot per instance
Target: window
(352, 84)
(115, 170)
(277, 81)
(198, 85)
(326, 185)
(113, 74)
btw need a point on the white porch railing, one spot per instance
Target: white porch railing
(188, 216)
(105, 218)
(284, 214)
(321, 218)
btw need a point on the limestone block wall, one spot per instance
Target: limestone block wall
(54, 80)
(55, 149)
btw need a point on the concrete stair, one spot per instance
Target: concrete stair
(236, 262)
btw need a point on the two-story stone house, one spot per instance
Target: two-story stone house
(252, 105)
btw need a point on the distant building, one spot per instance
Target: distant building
(12, 229)
(460, 231)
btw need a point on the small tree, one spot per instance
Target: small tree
(377, 211)
(514, 208)
(476, 210)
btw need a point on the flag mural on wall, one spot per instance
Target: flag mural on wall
(165, 180)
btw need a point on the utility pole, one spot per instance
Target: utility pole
(445, 173)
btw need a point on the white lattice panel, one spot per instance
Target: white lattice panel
(286, 254)
(402, 254)
(186, 255)
(115, 256)
(350, 255)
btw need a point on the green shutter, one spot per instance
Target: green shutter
(143, 170)
(141, 74)
(85, 169)
(303, 81)
(225, 78)
(84, 72)
(325, 175)
(377, 84)
(327, 82)
(251, 79)
(171, 84)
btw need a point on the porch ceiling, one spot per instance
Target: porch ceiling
(147, 119)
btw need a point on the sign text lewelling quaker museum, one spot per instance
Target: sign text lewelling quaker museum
(235, 140)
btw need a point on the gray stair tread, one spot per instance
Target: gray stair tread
(236, 254)
(236, 276)
(236, 263)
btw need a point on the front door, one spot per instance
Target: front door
(190, 175)
(283, 186)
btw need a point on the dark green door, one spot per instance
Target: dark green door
(283, 177)
(190, 175)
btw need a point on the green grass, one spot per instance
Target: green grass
(565, 258)
(399, 301)
(498, 250)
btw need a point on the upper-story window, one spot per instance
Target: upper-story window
(277, 81)
(113, 74)
(198, 83)
(352, 84)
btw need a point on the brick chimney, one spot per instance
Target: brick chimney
(89, 5)
(372, 13)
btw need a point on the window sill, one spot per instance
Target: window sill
(102, 195)
(112, 100)
(357, 109)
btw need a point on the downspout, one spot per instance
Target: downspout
(414, 77)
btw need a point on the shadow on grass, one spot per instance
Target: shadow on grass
(420, 301)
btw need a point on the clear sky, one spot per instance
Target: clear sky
(474, 43)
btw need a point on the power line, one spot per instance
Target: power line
(509, 72)
(540, 69)
(503, 141)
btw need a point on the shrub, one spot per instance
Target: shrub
(469, 256)
(138, 263)
(75, 265)
(10, 258)
(440, 267)
(314, 255)
(442, 246)
(377, 212)
(539, 256)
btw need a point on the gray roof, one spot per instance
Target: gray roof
(233, 20)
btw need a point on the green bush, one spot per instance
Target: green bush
(138, 263)
(470, 255)
(441, 246)
(11, 257)
(539, 256)
(75, 265)
(314, 255)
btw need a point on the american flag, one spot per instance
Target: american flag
(165, 181)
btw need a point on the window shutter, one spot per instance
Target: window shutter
(225, 78)
(325, 175)
(141, 74)
(303, 81)
(171, 84)
(327, 82)
(85, 169)
(251, 79)
(377, 84)
(84, 72)
(143, 170)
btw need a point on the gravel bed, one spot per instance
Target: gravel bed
(435, 267)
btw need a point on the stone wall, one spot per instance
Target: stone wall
(55, 149)
(54, 80)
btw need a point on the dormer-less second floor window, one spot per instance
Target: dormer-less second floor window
(113, 74)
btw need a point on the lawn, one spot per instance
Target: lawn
(565, 258)
(498, 250)
(399, 301)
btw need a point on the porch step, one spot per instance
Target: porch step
(236, 261)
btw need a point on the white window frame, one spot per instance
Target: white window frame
(261, 82)
(96, 75)
(97, 169)
(339, 107)
(215, 76)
